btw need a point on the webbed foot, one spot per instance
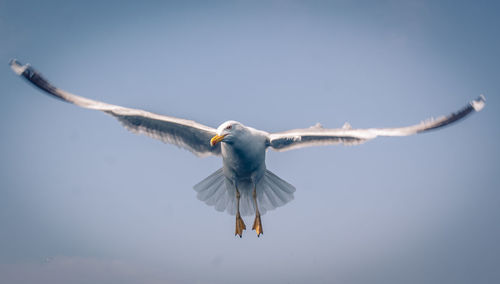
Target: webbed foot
(257, 225)
(240, 225)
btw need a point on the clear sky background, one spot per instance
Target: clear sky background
(82, 200)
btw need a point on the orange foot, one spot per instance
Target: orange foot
(257, 225)
(240, 225)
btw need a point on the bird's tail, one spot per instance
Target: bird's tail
(212, 190)
(217, 191)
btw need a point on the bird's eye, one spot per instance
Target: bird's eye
(229, 127)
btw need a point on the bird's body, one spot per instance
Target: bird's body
(243, 155)
(243, 185)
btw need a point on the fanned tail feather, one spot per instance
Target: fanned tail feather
(272, 192)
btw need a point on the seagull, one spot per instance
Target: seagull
(243, 186)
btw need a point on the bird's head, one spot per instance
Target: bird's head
(227, 132)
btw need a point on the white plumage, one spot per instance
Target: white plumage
(243, 183)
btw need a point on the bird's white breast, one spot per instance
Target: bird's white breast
(245, 158)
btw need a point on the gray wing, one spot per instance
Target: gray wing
(317, 135)
(187, 134)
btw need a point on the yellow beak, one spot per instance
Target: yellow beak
(216, 139)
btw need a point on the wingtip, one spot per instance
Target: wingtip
(479, 103)
(17, 67)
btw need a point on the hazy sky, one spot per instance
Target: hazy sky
(82, 200)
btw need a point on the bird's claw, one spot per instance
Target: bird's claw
(240, 225)
(257, 225)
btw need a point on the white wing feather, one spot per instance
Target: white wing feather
(184, 133)
(317, 135)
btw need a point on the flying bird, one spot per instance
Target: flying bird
(243, 186)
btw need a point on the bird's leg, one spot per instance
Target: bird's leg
(240, 225)
(257, 224)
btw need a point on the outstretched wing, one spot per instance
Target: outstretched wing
(184, 133)
(317, 135)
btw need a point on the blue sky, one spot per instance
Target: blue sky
(84, 201)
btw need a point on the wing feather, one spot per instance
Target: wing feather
(187, 134)
(318, 135)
